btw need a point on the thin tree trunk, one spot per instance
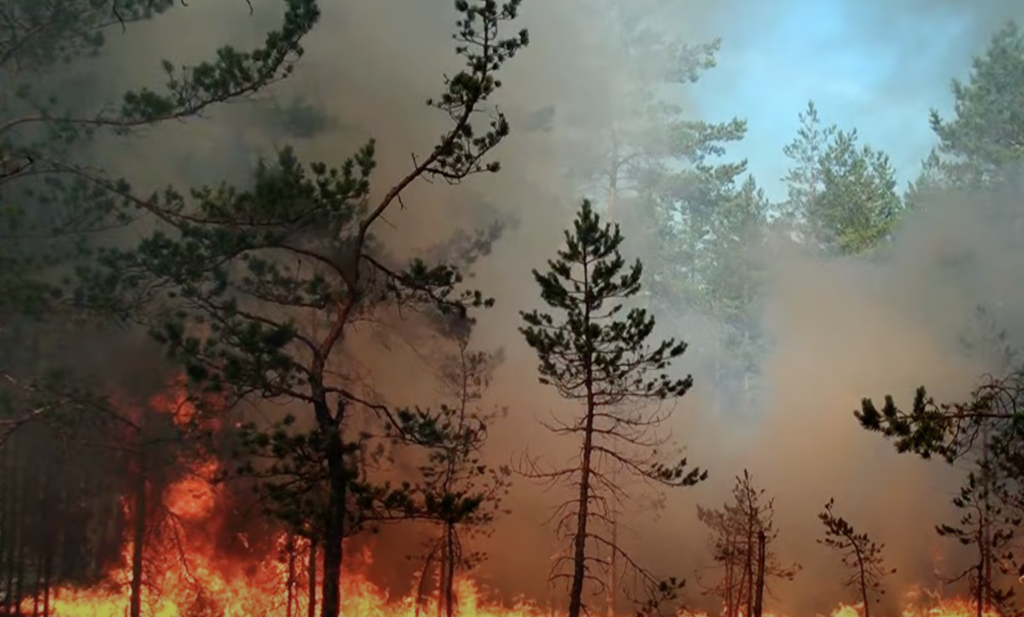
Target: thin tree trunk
(748, 567)
(762, 557)
(449, 571)
(290, 583)
(138, 539)
(6, 525)
(311, 607)
(580, 541)
(23, 539)
(613, 565)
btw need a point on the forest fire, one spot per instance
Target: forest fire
(188, 573)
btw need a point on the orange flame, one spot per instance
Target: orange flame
(187, 576)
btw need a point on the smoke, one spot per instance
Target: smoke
(841, 329)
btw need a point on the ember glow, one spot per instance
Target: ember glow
(187, 573)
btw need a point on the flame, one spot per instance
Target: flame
(188, 575)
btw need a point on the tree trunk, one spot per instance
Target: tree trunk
(23, 538)
(580, 542)
(6, 525)
(730, 581)
(762, 557)
(613, 567)
(334, 532)
(290, 582)
(138, 539)
(748, 566)
(311, 607)
(449, 571)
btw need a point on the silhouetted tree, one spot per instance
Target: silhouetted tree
(859, 553)
(463, 495)
(600, 358)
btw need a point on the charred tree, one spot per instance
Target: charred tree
(859, 553)
(595, 355)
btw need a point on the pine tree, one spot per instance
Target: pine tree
(987, 132)
(254, 291)
(858, 208)
(600, 358)
(741, 536)
(859, 553)
(804, 179)
(842, 195)
(462, 493)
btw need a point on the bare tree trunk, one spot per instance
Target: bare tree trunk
(984, 529)
(762, 557)
(613, 565)
(448, 578)
(7, 527)
(334, 532)
(730, 582)
(582, 516)
(23, 538)
(290, 582)
(748, 566)
(138, 539)
(311, 607)
(47, 578)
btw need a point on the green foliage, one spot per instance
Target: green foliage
(858, 208)
(804, 178)
(591, 355)
(53, 199)
(951, 430)
(988, 128)
(858, 552)
(594, 352)
(841, 193)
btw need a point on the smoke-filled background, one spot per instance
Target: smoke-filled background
(838, 328)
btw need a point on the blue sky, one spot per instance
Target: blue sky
(881, 83)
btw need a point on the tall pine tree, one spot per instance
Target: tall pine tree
(597, 354)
